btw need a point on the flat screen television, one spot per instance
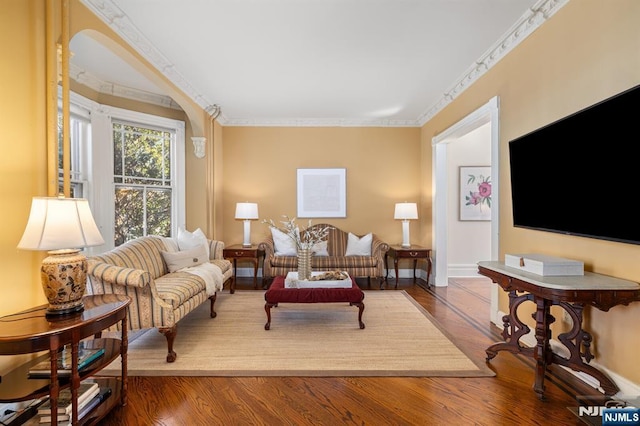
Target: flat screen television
(580, 175)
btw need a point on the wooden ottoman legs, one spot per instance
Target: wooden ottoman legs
(267, 308)
(360, 306)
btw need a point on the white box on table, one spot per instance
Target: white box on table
(292, 281)
(544, 265)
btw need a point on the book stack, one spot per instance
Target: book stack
(86, 356)
(90, 395)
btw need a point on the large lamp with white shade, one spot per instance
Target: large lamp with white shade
(247, 212)
(406, 212)
(62, 226)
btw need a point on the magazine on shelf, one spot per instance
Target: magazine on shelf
(103, 394)
(86, 356)
(86, 391)
(61, 418)
(88, 406)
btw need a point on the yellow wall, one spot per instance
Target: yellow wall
(23, 146)
(382, 168)
(587, 52)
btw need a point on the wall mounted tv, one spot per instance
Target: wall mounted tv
(581, 174)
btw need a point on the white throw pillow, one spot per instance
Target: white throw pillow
(359, 246)
(170, 244)
(283, 244)
(185, 258)
(188, 240)
(320, 249)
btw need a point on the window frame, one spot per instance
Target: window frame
(99, 156)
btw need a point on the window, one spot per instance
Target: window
(80, 130)
(130, 166)
(143, 181)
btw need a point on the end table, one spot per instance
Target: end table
(250, 254)
(414, 252)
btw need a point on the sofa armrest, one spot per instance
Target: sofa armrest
(269, 250)
(268, 247)
(216, 249)
(113, 274)
(378, 248)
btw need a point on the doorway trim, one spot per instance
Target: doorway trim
(487, 113)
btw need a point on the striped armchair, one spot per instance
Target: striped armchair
(159, 299)
(356, 266)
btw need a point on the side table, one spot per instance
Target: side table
(31, 331)
(414, 252)
(250, 254)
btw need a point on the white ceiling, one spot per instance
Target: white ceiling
(308, 62)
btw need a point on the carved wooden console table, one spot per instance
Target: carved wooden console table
(572, 293)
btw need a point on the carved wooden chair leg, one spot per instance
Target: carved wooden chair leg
(213, 301)
(170, 334)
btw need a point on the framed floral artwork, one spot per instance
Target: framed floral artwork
(475, 193)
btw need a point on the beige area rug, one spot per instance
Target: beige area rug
(321, 340)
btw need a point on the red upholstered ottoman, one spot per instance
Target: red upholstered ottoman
(277, 293)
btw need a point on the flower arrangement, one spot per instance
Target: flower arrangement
(304, 239)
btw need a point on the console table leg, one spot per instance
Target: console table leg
(542, 352)
(513, 329)
(578, 342)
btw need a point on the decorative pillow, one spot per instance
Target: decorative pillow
(359, 246)
(170, 244)
(188, 240)
(283, 244)
(185, 258)
(320, 249)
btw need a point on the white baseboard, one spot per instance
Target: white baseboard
(462, 270)
(628, 390)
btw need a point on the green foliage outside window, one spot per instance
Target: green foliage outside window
(142, 177)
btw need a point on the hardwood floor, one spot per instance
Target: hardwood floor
(462, 309)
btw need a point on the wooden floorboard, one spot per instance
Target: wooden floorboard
(462, 309)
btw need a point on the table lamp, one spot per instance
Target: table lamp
(247, 212)
(406, 211)
(61, 226)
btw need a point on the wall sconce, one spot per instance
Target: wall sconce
(406, 211)
(62, 226)
(198, 146)
(247, 212)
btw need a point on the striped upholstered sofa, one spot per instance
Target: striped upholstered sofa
(159, 298)
(357, 266)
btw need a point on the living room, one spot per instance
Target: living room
(586, 52)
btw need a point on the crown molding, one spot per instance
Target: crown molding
(531, 20)
(316, 122)
(85, 78)
(119, 22)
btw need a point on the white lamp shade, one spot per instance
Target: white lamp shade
(406, 211)
(246, 211)
(60, 223)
